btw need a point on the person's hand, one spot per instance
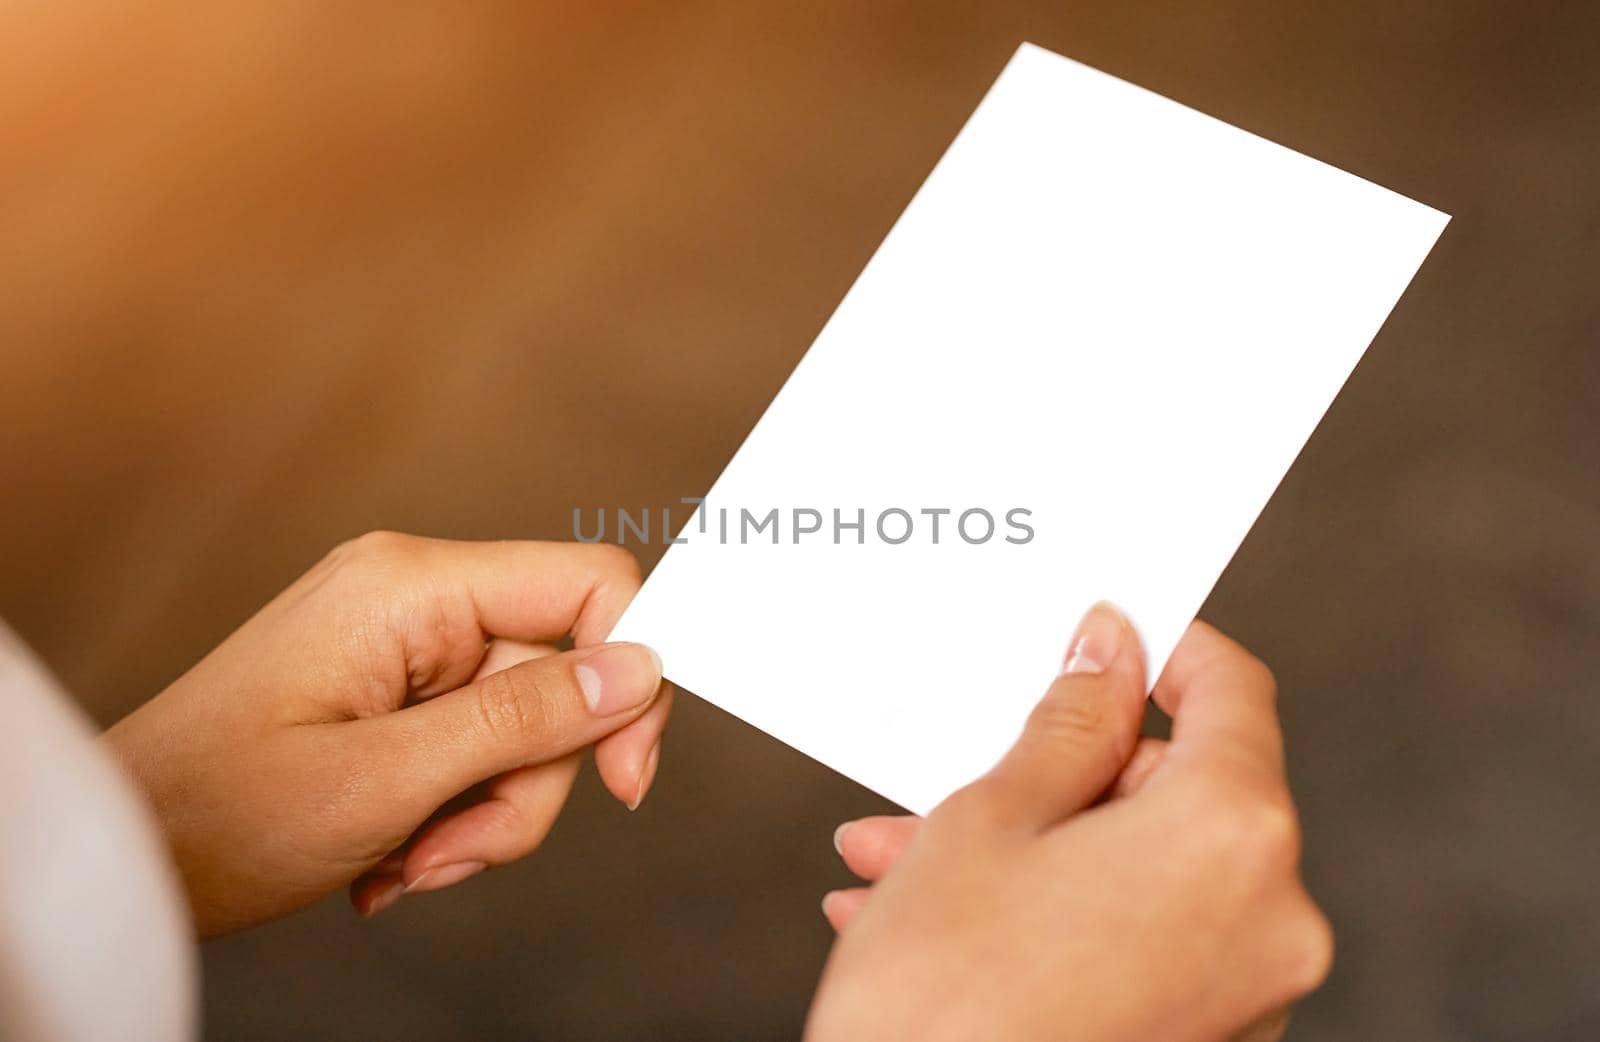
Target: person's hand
(396, 720)
(1094, 885)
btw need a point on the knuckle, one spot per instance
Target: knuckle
(505, 818)
(1071, 718)
(376, 552)
(1251, 832)
(1258, 674)
(1271, 836)
(380, 545)
(1090, 722)
(1310, 956)
(617, 561)
(503, 706)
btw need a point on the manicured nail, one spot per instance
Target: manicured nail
(647, 774)
(443, 876)
(1098, 641)
(838, 838)
(831, 895)
(385, 896)
(617, 677)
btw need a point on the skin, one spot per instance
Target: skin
(395, 721)
(1094, 886)
(400, 719)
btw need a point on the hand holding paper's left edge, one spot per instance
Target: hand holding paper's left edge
(397, 720)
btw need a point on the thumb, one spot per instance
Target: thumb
(1084, 730)
(531, 713)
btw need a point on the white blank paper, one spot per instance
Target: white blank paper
(1102, 307)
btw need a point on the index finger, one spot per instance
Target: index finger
(1223, 704)
(533, 591)
(467, 592)
(437, 603)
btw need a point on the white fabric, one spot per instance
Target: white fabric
(94, 941)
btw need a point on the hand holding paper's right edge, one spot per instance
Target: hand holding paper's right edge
(1093, 882)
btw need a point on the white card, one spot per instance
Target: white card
(1103, 308)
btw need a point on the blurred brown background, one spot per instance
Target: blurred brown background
(275, 273)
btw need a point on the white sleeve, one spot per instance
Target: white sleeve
(94, 940)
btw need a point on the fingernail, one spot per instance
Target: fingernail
(386, 895)
(647, 774)
(443, 876)
(618, 677)
(831, 895)
(838, 838)
(1098, 641)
